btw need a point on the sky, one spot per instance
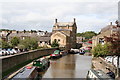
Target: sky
(40, 15)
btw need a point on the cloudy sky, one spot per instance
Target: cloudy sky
(40, 15)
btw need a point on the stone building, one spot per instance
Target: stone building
(80, 39)
(43, 38)
(106, 31)
(65, 34)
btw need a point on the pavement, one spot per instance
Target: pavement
(96, 65)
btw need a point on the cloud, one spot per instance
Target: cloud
(41, 15)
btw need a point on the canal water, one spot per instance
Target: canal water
(70, 66)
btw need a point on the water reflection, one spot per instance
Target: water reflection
(66, 67)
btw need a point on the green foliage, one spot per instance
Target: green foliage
(100, 50)
(5, 45)
(29, 43)
(55, 44)
(21, 46)
(4, 30)
(14, 41)
(87, 34)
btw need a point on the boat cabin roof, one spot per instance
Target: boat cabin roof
(24, 73)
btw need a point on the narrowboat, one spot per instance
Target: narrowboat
(56, 54)
(97, 75)
(82, 52)
(41, 64)
(27, 73)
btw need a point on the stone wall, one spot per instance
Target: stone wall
(108, 65)
(12, 61)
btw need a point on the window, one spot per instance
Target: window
(101, 40)
(55, 40)
(58, 40)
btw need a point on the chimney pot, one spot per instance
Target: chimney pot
(74, 20)
(55, 20)
(110, 23)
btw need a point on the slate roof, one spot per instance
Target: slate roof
(48, 34)
(62, 30)
(64, 24)
(40, 38)
(108, 27)
(22, 34)
(43, 38)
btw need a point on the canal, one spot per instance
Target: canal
(70, 66)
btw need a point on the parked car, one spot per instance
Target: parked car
(115, 61)
(11, 52)
(108, 59)
(41, 64)
(4, 51)
(7, 52)
(14, 50)
(56, 54)
(1, 53)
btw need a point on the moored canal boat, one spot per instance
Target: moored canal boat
(27, 73)
(41, 64)
(97, 75)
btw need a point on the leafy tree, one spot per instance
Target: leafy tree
(114, 39)
(87, 34)
(101, 50)
(55, 43)
(21, 46)
(33, 43)
(5, 45)
(29, 43)
(14, 41)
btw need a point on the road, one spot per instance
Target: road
(70, 66)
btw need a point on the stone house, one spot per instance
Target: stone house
(65, 34)
(106, 31)
(42, 37)
(80, 39)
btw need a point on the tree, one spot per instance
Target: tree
(21, 46)
(14, 41)
(33, 43)
(114, 39)
(100, 50)
(5, 45)
(55, 43)
(88, 35)
(114, 48)
(29, 43)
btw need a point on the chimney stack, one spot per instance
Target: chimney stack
(74, 20)
(110, 23)
(55, 20)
